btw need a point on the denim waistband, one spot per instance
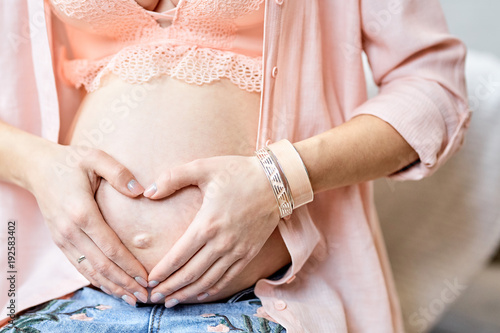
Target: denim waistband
(279, 273)
(248, 293)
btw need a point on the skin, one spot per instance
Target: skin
(166, 124)
(224, 232)
(361, 149)
(158, 5)
(155, 4)
(66, 200)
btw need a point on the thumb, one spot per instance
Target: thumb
(176, 178)
(118, 176)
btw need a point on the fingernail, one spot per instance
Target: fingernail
(141, 281)
(157, 297)
(141, 297)
(153, 284)
(128, 299)
(151, 190)
(135, 187)
(106, 290)
(171, 302)
(201, 297)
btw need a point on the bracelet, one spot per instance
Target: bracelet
(282, 175)
(283, 198)
(295, 170)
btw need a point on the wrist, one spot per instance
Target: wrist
(16, 147)
(264, 189)
(32, 161)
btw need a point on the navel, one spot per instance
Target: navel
(142, 241)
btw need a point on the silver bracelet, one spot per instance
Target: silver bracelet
(283, 198)
(282, 175)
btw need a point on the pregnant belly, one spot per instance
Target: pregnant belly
(152, 127)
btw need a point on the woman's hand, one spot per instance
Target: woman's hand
(64, 184)
(238, 214)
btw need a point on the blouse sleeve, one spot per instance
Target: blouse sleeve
(419, 69)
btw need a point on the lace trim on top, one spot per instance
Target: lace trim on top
(193, 48)
(139, 64)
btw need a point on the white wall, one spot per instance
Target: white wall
(476, 22)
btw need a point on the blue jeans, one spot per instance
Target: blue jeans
(90, 310)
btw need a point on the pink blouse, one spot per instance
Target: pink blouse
(198, 41)
(340, 279)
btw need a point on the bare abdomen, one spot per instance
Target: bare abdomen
(150, 128)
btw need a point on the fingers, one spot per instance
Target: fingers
(105, 244)
(172, 180)
(189, 273)
(116, 174)
(185, 247)
(176, 257)
(87, 269)
(211, 283)
(106, 267)
(223, 281)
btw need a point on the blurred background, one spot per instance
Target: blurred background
(478, 309)
(475, 22)
(443, 232)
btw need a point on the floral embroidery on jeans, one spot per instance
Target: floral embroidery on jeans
(34, 316)
(225, 324)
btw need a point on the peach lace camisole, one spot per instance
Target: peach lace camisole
(204, 41)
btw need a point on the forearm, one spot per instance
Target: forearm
(18, 154)
(361, 149)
